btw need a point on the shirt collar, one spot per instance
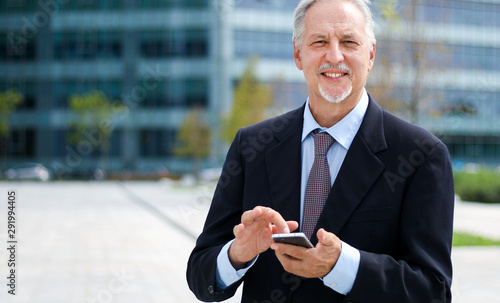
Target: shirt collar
(343, 131)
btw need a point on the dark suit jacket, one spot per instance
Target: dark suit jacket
(393, 200)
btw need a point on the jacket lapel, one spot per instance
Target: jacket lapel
(283, 164)
(361, 168)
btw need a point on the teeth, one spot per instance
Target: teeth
(333, 75)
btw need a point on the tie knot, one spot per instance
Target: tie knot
(322, 142)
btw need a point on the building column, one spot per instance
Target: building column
(44, 132)
(130, 134)
(221, 51)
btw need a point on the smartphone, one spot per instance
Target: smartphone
(298, 239)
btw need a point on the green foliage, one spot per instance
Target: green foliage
(194, 136)
(387, 9)
(94, 113)
(480, 186)
(251, 99)
(468, 239)
(9, 100)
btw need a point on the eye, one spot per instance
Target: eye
(319, 42)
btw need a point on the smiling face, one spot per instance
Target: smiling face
(335, 54)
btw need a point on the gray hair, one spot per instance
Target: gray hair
(304, 5)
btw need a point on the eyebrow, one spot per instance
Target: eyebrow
(348, 35)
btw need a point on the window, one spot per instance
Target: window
(21, 143)
(64, 89)
(461, 12)
(26, 88)
(18, 6)
(85, 148)
(264, 44)
(14, 46)
(87, 45)
(267, 4)
(156, 142)
(148, 4)
(178, 93)
(191, 43)
(92, 5)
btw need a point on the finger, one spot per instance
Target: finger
(274, 217)
(268, 215)
(294, 251)
(238, 229)
(292, 225)
(250, 216)
(326, 238)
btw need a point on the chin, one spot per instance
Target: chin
(335, 99)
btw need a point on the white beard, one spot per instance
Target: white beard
(335, 99)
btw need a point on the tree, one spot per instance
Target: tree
(193, 139)
(9, 100)
(383, 88)
(92, 122)
(251, 99)
(415, 57)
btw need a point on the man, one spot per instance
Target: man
(384, 232)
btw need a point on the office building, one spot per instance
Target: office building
(162, 58)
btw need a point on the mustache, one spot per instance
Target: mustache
(342, 67)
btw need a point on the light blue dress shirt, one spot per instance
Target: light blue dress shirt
(341, 277)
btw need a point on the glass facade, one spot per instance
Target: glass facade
(87, 45)
(174, 3)
(178, 93)
(15, 47)
(160, 68)
(62, 90)
(188, 43)
(26, 87)
(264, 44)
(156, 142)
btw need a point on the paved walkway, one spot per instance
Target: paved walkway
(129, 242)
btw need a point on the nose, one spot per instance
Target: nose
(334, 54)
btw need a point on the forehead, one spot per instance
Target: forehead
(340, 17)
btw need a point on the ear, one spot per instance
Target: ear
(297, 56)
(372, 57)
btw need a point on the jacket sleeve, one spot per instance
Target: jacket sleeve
(225, 212)
(421, 270)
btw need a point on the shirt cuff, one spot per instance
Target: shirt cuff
(341, 277)
(226, 273)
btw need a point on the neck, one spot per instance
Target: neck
(328, 114)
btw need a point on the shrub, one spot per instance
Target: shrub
(480, 186)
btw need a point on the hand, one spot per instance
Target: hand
(314, 262)
(253, 234)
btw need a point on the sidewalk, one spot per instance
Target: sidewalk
(478, 218)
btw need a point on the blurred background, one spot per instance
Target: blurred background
(102, 89)
(148, 94)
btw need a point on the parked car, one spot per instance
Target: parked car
(28, 171)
